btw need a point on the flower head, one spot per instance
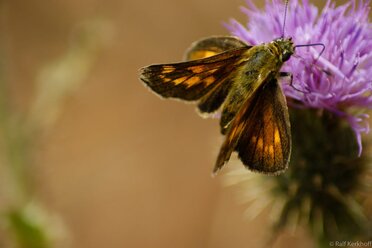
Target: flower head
(324, 190)
(340, 80)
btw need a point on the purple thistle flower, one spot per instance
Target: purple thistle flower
(347, 35)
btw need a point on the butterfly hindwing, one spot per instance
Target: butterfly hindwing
(211, 46)
(212, 101)
(192, 79)
(260, 132)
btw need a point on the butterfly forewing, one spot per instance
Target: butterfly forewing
(207, 47)
(192, 79)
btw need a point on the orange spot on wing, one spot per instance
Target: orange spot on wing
(201, 54)
(271, 150)
(278, 147)
(209, 80)
(254, 139)
(260, 143)
(167, 69)
(197, 69)
(179, 80)
(191, 81)
(276, 137)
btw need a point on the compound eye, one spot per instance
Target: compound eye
(286, 56)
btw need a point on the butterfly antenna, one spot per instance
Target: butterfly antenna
(314, 44)
(285, 16)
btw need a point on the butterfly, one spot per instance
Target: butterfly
(225, 74)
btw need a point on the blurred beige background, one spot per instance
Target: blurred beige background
(121, 167)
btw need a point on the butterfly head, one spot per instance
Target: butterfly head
(285, 47)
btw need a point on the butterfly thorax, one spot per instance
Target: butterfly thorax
(258, 65)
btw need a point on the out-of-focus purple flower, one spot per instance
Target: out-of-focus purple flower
(347, 35)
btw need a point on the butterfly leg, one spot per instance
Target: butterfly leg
(290, 75)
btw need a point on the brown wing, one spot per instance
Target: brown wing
(192, 79)
(211, 46)
(208, 47)
(260, 132)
